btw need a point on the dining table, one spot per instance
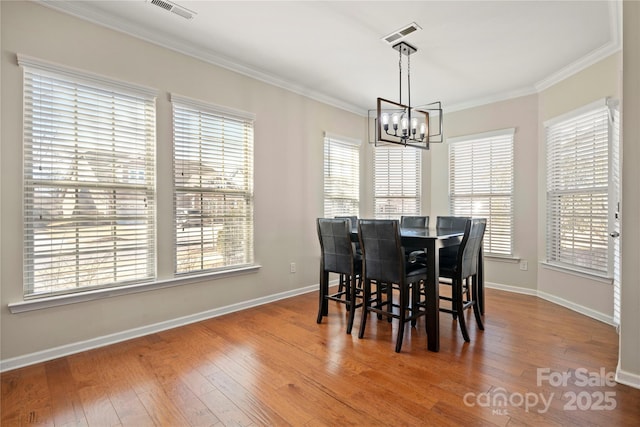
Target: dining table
(430, 240)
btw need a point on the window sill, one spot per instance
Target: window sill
(504, 258)
(60, 300)
(580, 273)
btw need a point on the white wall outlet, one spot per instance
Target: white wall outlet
(292, 267)
(524, 265)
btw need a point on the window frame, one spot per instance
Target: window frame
(346, 189)
(500, 227)
(595, 115)
(214, 119)
(96, 108)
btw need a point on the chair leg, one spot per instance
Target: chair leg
(323, 305)
(404, 302)
(415, 298)
(379, 288)
(389, 301)
(476, 304)
(342, 282)
(365, 306)
(348, 289)
(459, 304)
(352, 303)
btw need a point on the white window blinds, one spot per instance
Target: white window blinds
(577, 190)
(213, 177)
(481, 185)
(396, 181)
(341, 176)
(89, 176)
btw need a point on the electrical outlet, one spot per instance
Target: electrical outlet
(292, 267)
(524, 265)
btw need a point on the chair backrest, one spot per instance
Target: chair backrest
(453, 223)
(469, 252)
(335, 245)
(414, 221)
(382, 251)
(353, 219)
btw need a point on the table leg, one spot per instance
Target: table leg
(433, 295)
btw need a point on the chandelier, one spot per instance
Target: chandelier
(402, 124)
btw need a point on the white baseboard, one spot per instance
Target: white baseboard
(627, 378)
(556, 300)
(65, 350)
(577, 308)
(514, 289)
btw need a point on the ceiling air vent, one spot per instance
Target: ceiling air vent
(172, 7)
(401, 33)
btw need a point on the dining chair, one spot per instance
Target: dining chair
(448, 254)
(384, 263)
(354, 223)
(455, 223)
(337, 256)
(464, 295)
(414, 221)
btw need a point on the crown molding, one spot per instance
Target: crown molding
(579, 65)
(87, 13)
(478, 102)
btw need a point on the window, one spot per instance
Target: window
(341, 176)
(89, 176)
(578, 189)
(213, 178)
(481, 185)
(396, 181)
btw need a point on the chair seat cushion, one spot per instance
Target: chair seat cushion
(414, 271)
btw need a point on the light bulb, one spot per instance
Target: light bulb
(385, 121)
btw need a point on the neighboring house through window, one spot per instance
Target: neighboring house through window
(89, 181)
(213, 178)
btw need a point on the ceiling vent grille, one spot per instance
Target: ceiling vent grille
(172, 7)
(401, 33)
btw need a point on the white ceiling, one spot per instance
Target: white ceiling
(469, 52)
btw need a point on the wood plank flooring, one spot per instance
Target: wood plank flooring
(273, 365)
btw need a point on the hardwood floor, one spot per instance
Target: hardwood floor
(273, 365)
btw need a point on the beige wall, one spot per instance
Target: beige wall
(288, 177)
(521, 114)
(629, 361)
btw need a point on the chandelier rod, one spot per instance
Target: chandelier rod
(400, 72)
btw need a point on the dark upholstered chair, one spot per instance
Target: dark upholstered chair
(414, 221)
(357, 253)
(448, 254)
(337, 256)
(463, 294)
(455, 223)
(384, 263)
